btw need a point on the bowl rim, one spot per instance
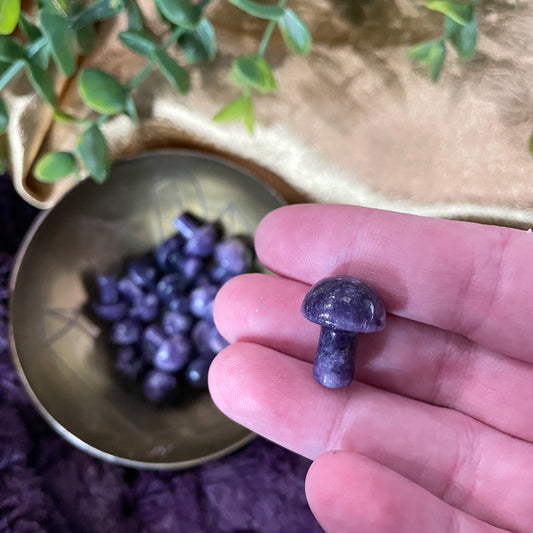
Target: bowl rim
(47, 416)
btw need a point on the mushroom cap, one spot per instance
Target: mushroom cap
(345, 303)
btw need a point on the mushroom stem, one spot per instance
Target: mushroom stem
(335, 357)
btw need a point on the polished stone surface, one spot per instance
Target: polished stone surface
(343, 306)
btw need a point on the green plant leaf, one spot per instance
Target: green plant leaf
(42, 82)
(86, 39)
(199, 45)
(253, 71)
(431, 53)
(42, 58)
(450, 27)
(240, 109)
(295, 32)
(58, 6)
(531, 144)
(131, 110)
(180, 12)
(86, 36)
(4, 116)
(101, 91)
(174, 73)
(54, 166)
(459, 12)
(93, 151)
(139, 42)
(135, 17)
(10, 49)
(61, 116)
(420, 51)
(259, 10)
(98, 11)
(29, 29)
(9, 16)
(436, 61)
(463, 38)
(60, 39)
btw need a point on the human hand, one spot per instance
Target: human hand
(436, 433)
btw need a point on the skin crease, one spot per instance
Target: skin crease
(435, 434)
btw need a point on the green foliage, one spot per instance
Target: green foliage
(101, 91)
(31, 31)
(10, 49)
(172, 71)
(61, 116)
(240, 109)
(54, 166)
(100, 10)
(33, 34)
(180, 12)
(93, 151)
(462, 37)
(139, 42)
(42, 82)
(135, 18)
(60, 39)
(131, 110)
(9, 16)
(295, 32)
(253, 71)
(4, 116)
(460, 29)
(8, 71)
(431, 53)
(458, 11)
(199, 45)
(85, 37)
(64, 29)
(259, 10)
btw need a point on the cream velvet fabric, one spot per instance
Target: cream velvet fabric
(353, 122)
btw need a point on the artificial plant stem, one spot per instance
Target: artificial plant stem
(174, 36)
(8, 74)
(101, 119)
(31, 50)
(268, 32)
(36, 46)
(140, 76)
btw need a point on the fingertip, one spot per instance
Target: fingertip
(271, 218)
(237, 383)
(222, 309)
(267, 233)
(220, 380)
(230, 313)
(344, 488)
(321, 485)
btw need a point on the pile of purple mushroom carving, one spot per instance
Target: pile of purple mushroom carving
(160, 311)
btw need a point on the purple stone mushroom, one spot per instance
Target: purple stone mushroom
(343, 307)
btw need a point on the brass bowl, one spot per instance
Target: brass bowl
(61, 353)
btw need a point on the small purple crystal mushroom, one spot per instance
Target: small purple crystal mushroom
(342, 306)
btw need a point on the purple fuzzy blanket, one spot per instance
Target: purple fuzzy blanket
(46, 485)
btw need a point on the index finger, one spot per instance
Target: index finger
(469, 278)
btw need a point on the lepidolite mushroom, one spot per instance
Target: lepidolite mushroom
(343, 307)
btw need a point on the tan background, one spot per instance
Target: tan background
(353, 122)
